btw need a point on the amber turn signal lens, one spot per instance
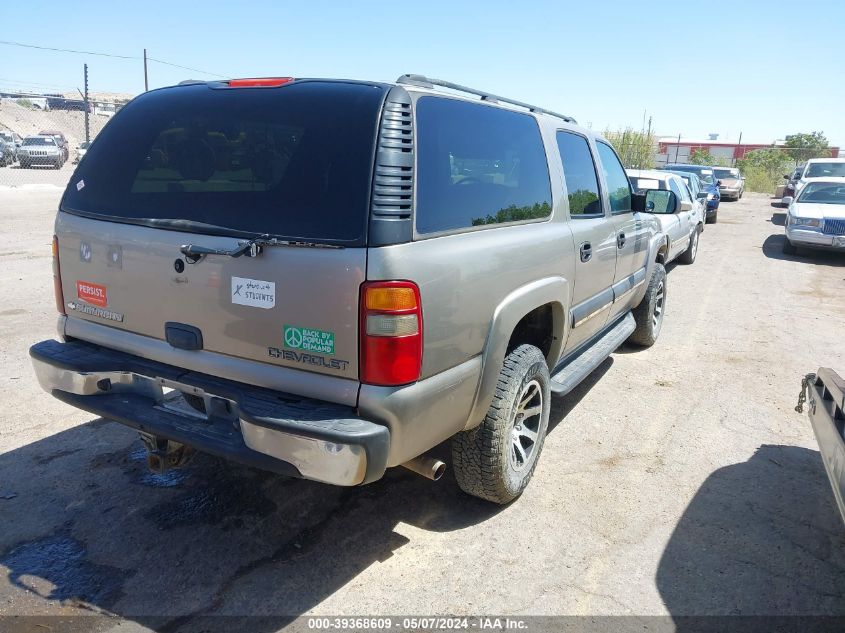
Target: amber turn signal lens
(391, 299)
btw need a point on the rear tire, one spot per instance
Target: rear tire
(788, 247)
(496, 459)
(711, 219)
(688, 256)
(649, 314)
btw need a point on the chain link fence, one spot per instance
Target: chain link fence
(70, 120)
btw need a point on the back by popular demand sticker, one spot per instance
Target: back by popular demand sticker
(309, 339)
(253, 292)
(92, 293)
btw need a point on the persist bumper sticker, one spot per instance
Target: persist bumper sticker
(92, 293)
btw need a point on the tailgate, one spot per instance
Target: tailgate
(213, 165)
(289, 306)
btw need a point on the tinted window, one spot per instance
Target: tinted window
(294, 161)
(618, 187)
(579, 172)
(478, 165)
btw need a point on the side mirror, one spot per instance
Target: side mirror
(718, 183)
(686, 205)
(702, 195)
(660, 201)
(787, 200)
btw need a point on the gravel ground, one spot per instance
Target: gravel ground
(675, 481)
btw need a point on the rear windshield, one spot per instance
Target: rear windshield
(293, 161)
(726, 173)
(824, 170)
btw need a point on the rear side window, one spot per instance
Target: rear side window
(618, 187)
(478, 165)
(294, 161)
(579, 172)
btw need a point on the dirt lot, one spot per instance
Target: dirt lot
(676, 480)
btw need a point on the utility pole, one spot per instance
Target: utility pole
(678, 147)
(739, 149)
(146, 83)
(87, 108)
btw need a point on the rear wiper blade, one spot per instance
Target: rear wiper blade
(250, 248)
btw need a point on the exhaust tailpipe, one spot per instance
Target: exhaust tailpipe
(428, 467)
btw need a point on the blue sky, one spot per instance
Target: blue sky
(763, 68)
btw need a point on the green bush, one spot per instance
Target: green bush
(24, 103)
(764, 169)
(636, 149)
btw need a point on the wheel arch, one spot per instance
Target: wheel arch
(519, 318)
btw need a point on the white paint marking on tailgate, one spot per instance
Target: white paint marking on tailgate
(253, 292)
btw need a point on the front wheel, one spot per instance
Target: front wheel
(496, 459)
(688, 256)
(649, 314)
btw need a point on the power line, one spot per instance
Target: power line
(204, 72)
(79, 52)
(67, 50)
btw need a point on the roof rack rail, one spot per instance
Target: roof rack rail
(428, 82)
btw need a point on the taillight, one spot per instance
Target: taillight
(57, 278)
(391, 333)
(266, 82)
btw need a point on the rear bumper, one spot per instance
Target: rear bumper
(826, 407)
(267, 429)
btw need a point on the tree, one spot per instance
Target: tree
(636, 149)
(802, 146)
(701, 156)
(764, 168)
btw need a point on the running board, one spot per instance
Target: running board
(567, 378)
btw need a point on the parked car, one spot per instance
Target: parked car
(81, 150)
(8, 153)
(825, 394)
(40, 150)
(791, 181)
(11, 137)
(816, 218)
(731, 182)
(682, 223)
(813, 169)
(60, 139)
(391, 265)
(708, 182)
(699, 195)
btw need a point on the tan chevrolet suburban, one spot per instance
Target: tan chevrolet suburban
(327, 278)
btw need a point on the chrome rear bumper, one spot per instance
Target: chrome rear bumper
(263, 428)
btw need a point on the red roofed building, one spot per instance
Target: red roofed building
(671, 150)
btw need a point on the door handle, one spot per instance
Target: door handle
(620, 240)
(586, 251)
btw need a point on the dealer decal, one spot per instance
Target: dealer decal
(253, 292)
(92, 293)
